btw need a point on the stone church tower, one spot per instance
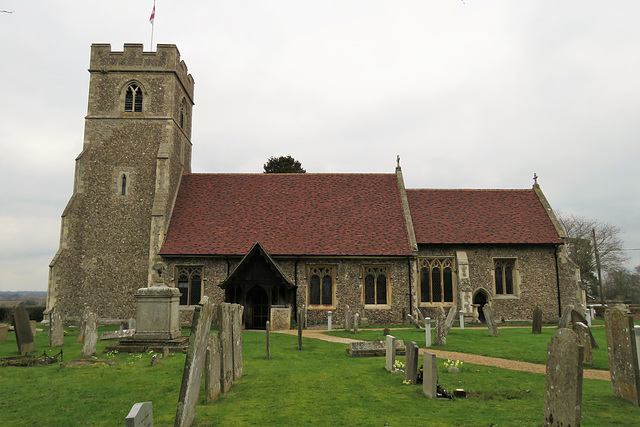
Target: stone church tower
(137, 145)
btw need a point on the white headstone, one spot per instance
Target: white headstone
(329, 314)
(427, 330)
(140, 415)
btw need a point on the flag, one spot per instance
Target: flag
(153, 14)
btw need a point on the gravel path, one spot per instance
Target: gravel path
(514, 365)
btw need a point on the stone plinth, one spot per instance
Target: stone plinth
(158, 316)
(280, 318)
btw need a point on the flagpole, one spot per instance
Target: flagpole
(152, 19)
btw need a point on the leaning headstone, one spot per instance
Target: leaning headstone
(440, 334)
(391, 353)
(411, 363)
(4, 331)
(212, 369)
(140, 415)
(90, 336)
(563, 383)
(226, 347)
(194, 363)
(536, 328)
(623, 354)
(584, 339)
(451, 316)
(577, 316)
(236, 330)
(427, 331)
(56, 329)
(414, 322)
(491, 324)
(24, 337)
(565, 320)
(430, 375)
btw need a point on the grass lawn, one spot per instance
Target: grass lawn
(316, 386)
(513, 343)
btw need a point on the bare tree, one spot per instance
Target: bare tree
(580, 247)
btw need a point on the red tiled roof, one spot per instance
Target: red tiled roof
(480, 216)
(289, 214)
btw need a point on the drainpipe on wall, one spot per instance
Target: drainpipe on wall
(558, 283)
(410, 290)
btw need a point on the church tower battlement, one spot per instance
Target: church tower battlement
(137, 145)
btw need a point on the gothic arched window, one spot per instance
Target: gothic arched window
(133, 99)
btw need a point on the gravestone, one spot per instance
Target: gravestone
(440, 334)
(391, 353)
(329, 320)
(140, 415)
(427, 331)
(212, 369)
(536, 328)
(56, 329)
(563, 382)
(347, 319)
(491, 324)
(414, 322)
(268, 330)
(33, 325)
(584, 339)
(411, 363)
(158, 313)
(226, 347)
(355, 323)
(299, 330)
(4, 331)
(451, 316)
(461, 319)
(24, 337)
(117, 335)
(194, 363)
(280, 318)
(430, 375)
(565, 320)
(83, 323)
(623, 354)
(636, 331)
(237, 310)
(373, 348)
(90, 336)
(577, 316)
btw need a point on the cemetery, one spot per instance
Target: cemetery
(230, 376)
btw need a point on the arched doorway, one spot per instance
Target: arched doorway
(257, 307)
(480, 299)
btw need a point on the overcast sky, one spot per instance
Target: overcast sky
(470, 95)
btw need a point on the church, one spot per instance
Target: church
(320, 243)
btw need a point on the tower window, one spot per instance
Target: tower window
(123, 190)
(133, 99)
(124, 182)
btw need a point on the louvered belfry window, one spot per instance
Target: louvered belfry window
(133, 99)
